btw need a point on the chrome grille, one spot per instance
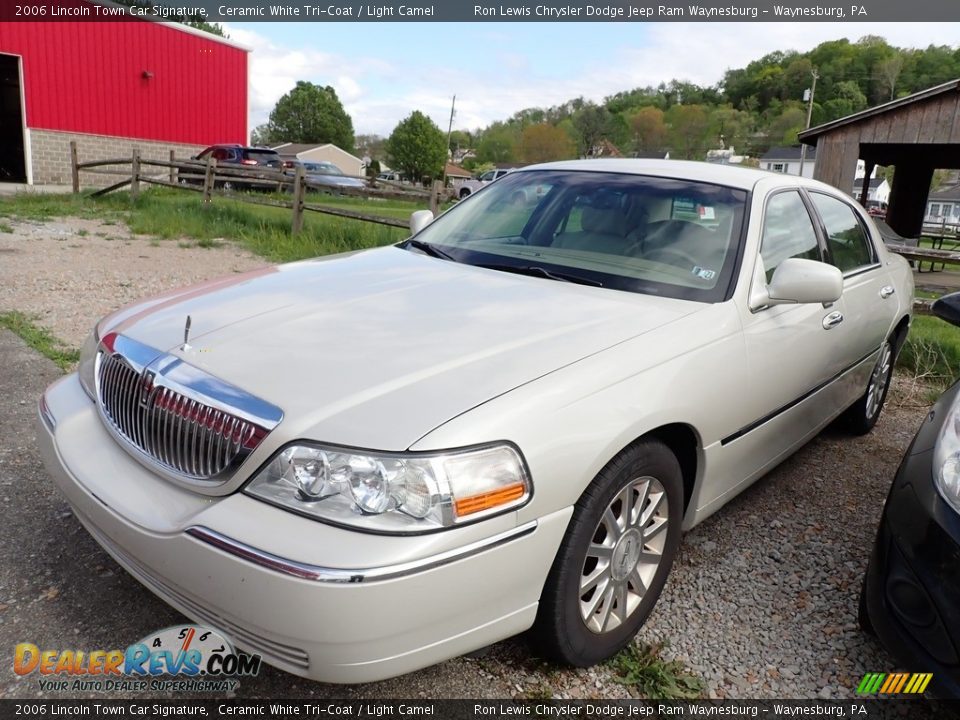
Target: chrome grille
(180, 433)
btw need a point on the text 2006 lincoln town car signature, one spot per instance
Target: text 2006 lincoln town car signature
(360, 465)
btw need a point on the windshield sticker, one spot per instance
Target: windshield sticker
(704, 273)
(706, 212)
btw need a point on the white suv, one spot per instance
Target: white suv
(467, 187)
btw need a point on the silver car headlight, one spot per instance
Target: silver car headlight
(86, 368)
(394, 492)
(946, 457)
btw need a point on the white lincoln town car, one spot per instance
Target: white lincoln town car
(361, 465)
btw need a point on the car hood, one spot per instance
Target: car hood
(375, 349)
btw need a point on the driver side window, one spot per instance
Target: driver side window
(787, 232)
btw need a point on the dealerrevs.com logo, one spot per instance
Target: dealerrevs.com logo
(190, 658)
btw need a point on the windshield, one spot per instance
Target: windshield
(677, 238)
(322, 169)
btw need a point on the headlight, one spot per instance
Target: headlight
(946, 457)
(394, 492)
(87, 365)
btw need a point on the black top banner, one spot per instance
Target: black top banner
(485, 11)
(481, 709)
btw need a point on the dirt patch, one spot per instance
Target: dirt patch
(70, 272)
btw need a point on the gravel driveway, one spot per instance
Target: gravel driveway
(761, 601)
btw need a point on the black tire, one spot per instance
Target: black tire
(571, 626)
(859, 418)
(464, 193)
(863, 616)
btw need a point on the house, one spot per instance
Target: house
(325, 152)
(112, 87)
(943, 207)
(787, 160)
(725, 156)
(456, 174)
(652, 155)
(878, 190)
(604, 149)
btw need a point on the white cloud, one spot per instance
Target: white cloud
(379, 92)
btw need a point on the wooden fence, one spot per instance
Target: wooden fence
(213, 180)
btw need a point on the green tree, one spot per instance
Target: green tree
(499, 143)
(592, 124)
(689, 131)
(311, 114)
(649, 130)
(417, 147)
(544, 142)
(260, 135)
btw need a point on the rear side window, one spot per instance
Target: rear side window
(787, 232)
(262, 157)
(849, 245)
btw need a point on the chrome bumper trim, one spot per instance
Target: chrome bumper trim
(49, 421)
(358, 575)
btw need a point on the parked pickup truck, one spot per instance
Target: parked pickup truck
(468, 187)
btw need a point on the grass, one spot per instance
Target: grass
(172, 214)
(652, 677)
(40, 339)
(932, 351)
(6, 227)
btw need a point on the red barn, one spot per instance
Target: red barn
(113, 86)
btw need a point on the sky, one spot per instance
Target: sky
(384, 71)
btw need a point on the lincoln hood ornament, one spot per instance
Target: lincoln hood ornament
(186, 334)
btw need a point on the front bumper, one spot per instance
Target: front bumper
(912, 587)
(318, 601)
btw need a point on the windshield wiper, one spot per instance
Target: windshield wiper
(429, 249)
(538, 271)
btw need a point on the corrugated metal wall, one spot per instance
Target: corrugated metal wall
(88, 77)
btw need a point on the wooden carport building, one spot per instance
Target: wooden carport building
(917, 134)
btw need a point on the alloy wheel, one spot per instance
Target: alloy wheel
(878, 381)
(624, 554)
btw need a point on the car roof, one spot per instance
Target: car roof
(729, 175)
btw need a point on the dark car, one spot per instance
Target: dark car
(911, 593)
(323, 173)
(233, 156)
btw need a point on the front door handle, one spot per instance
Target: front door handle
(832, 320)
(886, 291)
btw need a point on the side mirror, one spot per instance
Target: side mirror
(804, 281)
(948, 308)
(419, 220)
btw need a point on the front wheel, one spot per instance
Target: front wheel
(614, 560)
(860, 417)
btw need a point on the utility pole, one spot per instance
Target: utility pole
(453, 106)
(803, 146)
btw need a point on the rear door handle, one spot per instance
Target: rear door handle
(886, 291)
(832, 320)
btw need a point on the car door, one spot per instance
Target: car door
(794, 351)
(868, 290)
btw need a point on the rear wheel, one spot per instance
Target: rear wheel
(464, 193)
(615, 558)
(860, 417)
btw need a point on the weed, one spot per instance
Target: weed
(932, 352)
(6, 228)
(40, 339)
(642, 668)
